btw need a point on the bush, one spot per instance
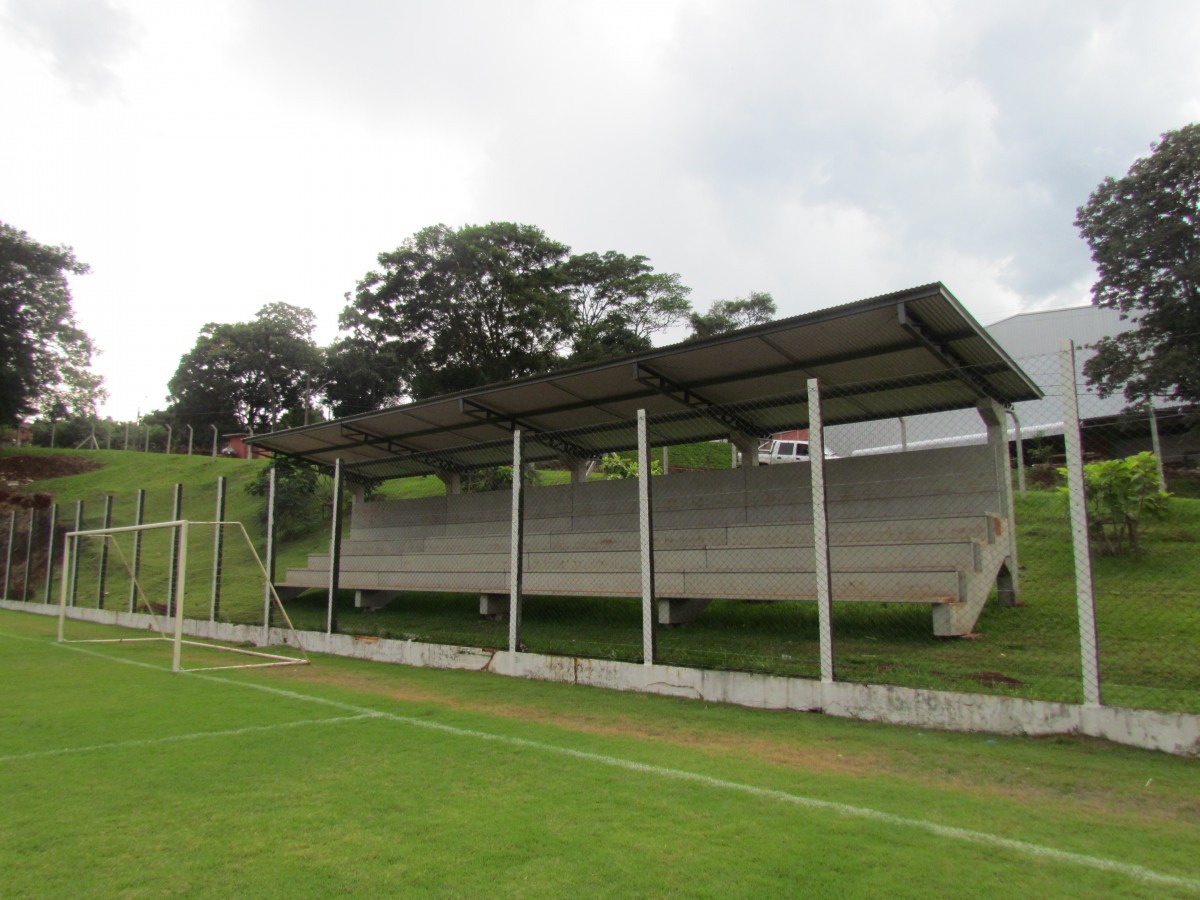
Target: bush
(614, 467)
(1119, 493)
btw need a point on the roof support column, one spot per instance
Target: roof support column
(578, 467)
(747, 445)
(452, 481)
(994, 417)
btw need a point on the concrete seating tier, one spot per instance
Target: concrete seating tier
(921, 527)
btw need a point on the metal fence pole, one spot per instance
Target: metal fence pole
(176, 515)
(48, 593)
(1154, 442)
(816, 458)
(1084, 595)
(1020, 452)
(269, 561)
(28, 556)
(103, 573)
(135, 563)
(216, 440)
(646, 539)
(73, 578)
(335, 545)
(516, 566)
(12, 537)
(214, 605)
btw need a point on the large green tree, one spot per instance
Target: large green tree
(619, 302)
(729, 315)
(452, 309)
(247, 375)
(1144, 235)
(458, 308)
(44, 355)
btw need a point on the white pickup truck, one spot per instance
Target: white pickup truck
(773, 452)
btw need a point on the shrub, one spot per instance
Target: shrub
(1119, 493)
(614, 467)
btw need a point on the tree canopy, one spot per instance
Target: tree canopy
(729, 315)
(246, 375)
(44, 355)
(1143, 233)
(618, 302)
(452, 309)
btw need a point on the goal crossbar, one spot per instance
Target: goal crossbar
(176, 638)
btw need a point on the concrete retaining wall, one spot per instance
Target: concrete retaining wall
(1177, 733)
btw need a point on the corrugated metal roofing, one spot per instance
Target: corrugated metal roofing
(911, 351)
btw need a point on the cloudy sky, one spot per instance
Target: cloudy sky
(208, 158)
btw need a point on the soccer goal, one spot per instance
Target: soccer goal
(152, 561)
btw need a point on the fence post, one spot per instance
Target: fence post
(335, 545)
(48, 593)
(103, 574)
(176, 515)
(269, 562)
(646, 539)
(1154, 442)
(1020, 452)
(28, 556)
(1084, 594)
(12, 537)
(516, 566)
(73, 579)
(214, 604)
(135, 564)
(816, 459)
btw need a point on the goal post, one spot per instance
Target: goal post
(168, 571)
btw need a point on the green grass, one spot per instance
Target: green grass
(1148, 609)
(126, 780)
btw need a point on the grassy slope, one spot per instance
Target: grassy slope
(420, 803)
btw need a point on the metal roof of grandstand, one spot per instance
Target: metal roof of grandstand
(913, 351)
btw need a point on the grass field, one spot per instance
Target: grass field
(344, 777)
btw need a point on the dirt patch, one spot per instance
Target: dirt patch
(16, 471)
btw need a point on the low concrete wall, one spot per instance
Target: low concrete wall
(1177, 733)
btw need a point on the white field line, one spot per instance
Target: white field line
(180, 738)
(983, 838)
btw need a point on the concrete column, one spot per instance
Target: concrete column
(51, 547)
(103, 575)
(335, 547)
(993, 416)
(135, 562)
(646, 541)
(1085, 599)
(452, 481)
(176, 515)
(269, 562)
(517, 556)
(214, 599)
(816, 458)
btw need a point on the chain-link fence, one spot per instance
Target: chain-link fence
(935, 550)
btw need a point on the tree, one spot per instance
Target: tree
(362, 376)
(245, 375)
(1144, 236)
(729, 315)
(44, 354)
(455, 309)
(619, 302)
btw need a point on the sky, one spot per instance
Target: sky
(206, 159)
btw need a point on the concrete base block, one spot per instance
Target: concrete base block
(680, 611)
(373, 599)
(494, 606)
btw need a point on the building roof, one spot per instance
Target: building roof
(896, 354)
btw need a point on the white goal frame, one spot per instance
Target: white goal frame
(176, 638)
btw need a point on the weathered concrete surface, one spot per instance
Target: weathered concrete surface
(1177, 733)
